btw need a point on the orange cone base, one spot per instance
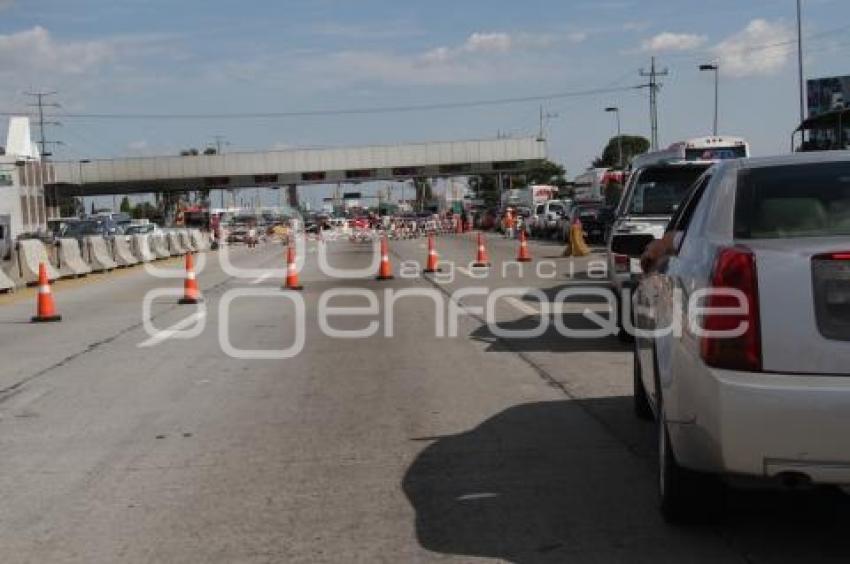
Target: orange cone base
(481, 265)
(523, 260)
(432, 270)
(383, 277)
(189, 301)
(297, 288)
(46, 318)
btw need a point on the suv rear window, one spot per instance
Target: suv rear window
(810, 200)
(659, 190)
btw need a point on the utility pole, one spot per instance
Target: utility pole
(40, 103)
(52, 200)
(654, 87)
(544, 119)
(219, 141)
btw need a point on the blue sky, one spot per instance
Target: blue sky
(143, 56)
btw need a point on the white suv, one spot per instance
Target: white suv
(758, 384)
(651, 197)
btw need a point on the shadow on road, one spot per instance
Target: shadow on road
(544, 482)
(551, 340)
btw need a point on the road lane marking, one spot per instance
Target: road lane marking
(262, 278)
(179, 327)
(476, 496)
(522, 306)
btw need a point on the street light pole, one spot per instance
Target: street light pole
(616, 111)
(716, 68)
(800, 60)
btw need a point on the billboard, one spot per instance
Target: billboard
(828, 94)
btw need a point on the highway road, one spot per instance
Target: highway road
(124, 445)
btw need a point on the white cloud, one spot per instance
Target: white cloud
(476, 43)
(488, 43)
(36, 50)
(668, 41)
(577, 36)
(762, 48)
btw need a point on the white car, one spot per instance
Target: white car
(544, 222)
(773, 402)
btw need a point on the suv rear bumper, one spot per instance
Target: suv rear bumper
(765, 425)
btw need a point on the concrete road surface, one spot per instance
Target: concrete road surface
(122, 443)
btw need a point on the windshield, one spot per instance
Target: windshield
(83, 228)
(716, 153)
(659, 190)
(810, 200)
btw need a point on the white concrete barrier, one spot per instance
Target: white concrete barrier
(174, 244)
(99, 255)
(30, 253)
(186, 240)
(121, 251)
(70, 257)
(199, 240)
(6, 283)
(142, 248)
(159, 245)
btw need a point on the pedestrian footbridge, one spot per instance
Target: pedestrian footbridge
(298, 166)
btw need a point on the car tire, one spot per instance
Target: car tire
(622, 334)
(641, 401)
(685, 496)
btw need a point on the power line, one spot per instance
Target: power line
(350, 111)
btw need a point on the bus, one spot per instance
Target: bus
(712, 148)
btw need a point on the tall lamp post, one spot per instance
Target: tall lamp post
(800, 61)
(716, 68)
(616, 110)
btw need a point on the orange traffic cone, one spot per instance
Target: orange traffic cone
(482, 260)
(292, 282)
(523, 255)
(433, 258)
(385, 270)
(191, 293)
(46, 310)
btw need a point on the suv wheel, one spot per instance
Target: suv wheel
(685, 496)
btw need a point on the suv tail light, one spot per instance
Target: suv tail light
(734, 267)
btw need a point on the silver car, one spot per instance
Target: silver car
(748, 372)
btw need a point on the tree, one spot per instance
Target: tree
(424, 194)
(71, 206)
(613, 193)
(485, 188)
(632, 145)
(210, 151)
(547, 172)
(126, 206)
(145, 210)
(189, 153)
